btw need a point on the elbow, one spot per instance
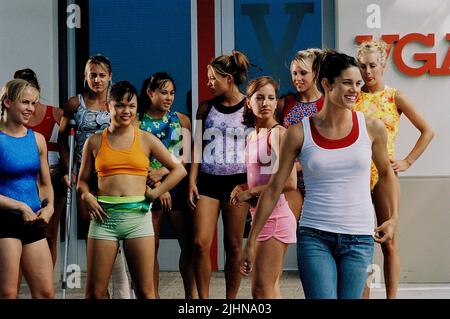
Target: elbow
(183, 171)
(78, 189)
(427, 133)
(431, 134)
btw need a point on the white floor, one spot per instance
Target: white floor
(416, 291)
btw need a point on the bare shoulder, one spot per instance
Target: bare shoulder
(281, 130)
(146, 135)
(401, 100)
(294, 134)
(147, 138)
(40, 139)
(375, 126)
(94, 141)
(184, 120)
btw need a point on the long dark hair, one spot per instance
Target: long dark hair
(156, 81)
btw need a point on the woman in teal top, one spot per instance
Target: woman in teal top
(156, 98)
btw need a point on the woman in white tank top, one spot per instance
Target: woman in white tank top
(336, 231)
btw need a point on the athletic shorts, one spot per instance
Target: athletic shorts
(129, 217)
(13, 226)
(178, 195)
(219, 186)
(281, 224)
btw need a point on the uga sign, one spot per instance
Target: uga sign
(396, 44)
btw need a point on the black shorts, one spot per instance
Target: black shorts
(13, 226)
(57, 176)
(219, 186)
(178, 195)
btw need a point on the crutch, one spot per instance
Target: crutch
(72, 124)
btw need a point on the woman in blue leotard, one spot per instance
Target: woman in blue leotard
(25, 183)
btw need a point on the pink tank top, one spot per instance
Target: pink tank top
(260, 162)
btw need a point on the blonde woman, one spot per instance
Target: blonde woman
(388, 104)
(26, 196)
(292, 108)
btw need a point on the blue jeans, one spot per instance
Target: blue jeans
(333, 265)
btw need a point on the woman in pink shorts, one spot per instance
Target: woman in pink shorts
(261, 160)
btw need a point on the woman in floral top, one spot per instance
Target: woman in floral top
(387, 104)
(155, 116)
(292, 108)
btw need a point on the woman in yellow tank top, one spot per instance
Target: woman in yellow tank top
(387, 104)
(121, 211)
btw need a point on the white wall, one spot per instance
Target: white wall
(423, 234)
(29, 39)
(430, 94)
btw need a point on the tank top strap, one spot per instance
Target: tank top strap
(81, 100)
(105, 136)
(362, 126)
(137, 138)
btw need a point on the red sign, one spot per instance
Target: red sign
(397, 45)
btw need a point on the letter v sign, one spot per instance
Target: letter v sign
(256, 12)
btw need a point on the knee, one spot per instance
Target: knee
(47, 293)
(389, 248)
(96, 294)
(233, 249)
(201, 248)
(146, 293)
(8, 293)
(260, 292)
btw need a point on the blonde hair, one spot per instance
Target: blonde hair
(13, 90)
(309, 55)
(373, 46)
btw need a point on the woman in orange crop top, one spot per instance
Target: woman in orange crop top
(121, 211)
(387, 104)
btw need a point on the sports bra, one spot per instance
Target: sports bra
(131, 161)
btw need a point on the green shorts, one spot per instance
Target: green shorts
(129, 217)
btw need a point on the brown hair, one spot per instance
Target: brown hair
(252, 87)
(236, 64)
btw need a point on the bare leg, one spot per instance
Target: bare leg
(267, 270)
(140, 253)
(10, 253)
(37, 268)
(156, 219)
(204, 222)
(234, 223)
(100, 259)
(391, 262)
(181, 223)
